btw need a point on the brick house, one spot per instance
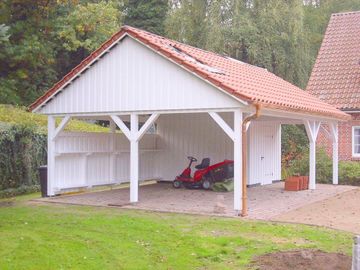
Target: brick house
(335, 79)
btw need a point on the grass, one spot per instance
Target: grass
(19, 115)
(38, 236)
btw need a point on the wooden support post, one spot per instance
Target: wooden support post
(61, 126)
(134, 158)
(238, 162)
(235, 135)
(217, 118)
(112, 151)
(335, 143)
(51, 156)
(312, 130)
(147, 125)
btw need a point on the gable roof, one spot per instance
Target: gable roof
(246, 82)
(336, 74)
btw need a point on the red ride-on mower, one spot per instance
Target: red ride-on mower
(205, 175)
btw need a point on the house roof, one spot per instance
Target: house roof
(336, 75)
(246, 82)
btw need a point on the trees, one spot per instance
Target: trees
(46, 39)
(40, 41)
(146, 14)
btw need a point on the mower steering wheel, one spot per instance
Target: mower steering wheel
(192, 159)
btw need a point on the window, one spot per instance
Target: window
(356, 141)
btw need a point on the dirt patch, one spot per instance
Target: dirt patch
(302, 260)
(341, 212)
(6, 203)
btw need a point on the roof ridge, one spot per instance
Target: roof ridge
(345, 13)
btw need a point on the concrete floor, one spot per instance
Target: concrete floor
(265, 202)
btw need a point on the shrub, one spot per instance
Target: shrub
(349, 172)
(23, 146)
(19, 116)
(11, 192)
(23, 150)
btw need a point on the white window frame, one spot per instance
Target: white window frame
(353, 141)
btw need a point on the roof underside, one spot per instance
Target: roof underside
(246, 82)
(336, 75)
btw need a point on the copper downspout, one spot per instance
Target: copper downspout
(244, 157)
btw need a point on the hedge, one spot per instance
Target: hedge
(23, 150)
(23, 146)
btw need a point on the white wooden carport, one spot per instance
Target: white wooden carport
(139, 77)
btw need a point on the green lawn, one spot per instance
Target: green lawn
(34, 236)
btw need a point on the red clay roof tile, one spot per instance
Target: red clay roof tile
(336, 74)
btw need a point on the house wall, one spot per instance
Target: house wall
(345, 139)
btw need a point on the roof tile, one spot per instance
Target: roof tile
(336, 74)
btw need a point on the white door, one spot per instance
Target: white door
(267, 139)
(263, 153)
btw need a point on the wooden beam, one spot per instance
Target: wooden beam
(124, 129)
(312, 130)
(228, 130)
(62, 125)
(112, 150)
(134, 158)
(237, 162)
(51, 156)
(146, 126)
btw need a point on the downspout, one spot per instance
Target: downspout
(244, 157)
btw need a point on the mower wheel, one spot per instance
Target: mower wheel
(177, 184)
(206, 184)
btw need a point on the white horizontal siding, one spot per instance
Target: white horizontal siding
(131, 77)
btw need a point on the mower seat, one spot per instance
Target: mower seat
(204, 164)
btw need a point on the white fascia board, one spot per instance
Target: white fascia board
(147, 112)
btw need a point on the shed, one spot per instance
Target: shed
(193, 100)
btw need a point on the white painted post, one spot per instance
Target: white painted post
(335, 143)
(356, 253)
(134, 158)
(237, 162)
(312, 168)
(312, 130)
(112, 151)
(51, 156)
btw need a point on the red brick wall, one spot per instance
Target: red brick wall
(345, 138)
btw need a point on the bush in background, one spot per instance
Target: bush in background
(23, 150)
(349, 172)
(11, 192)
(23, 147)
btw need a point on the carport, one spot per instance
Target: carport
(169, 101)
